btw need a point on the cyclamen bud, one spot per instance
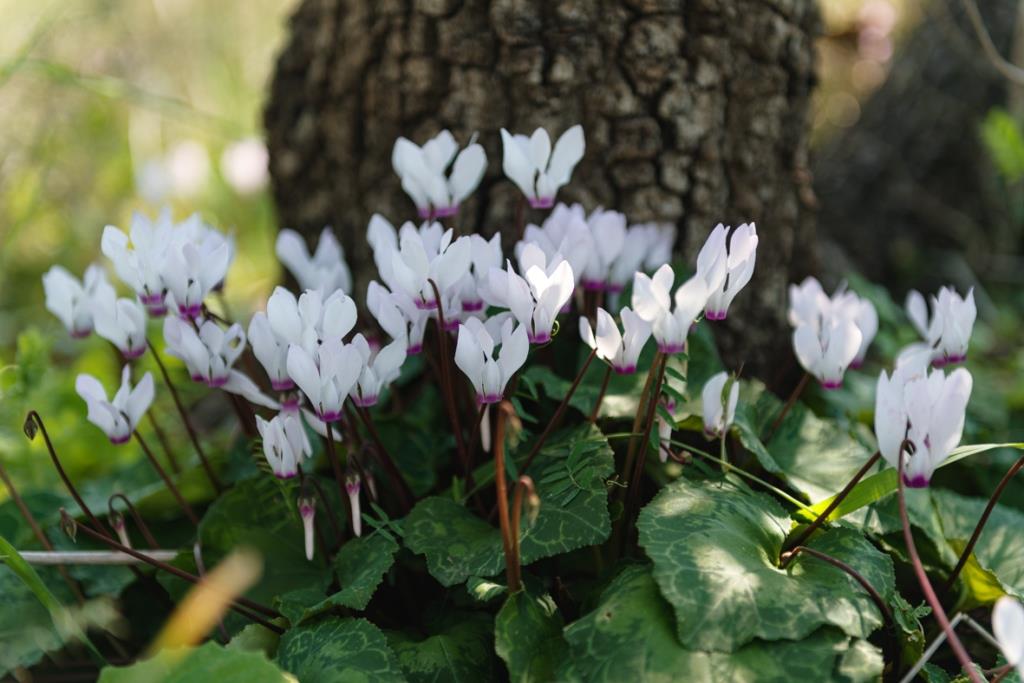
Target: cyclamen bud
(117, 522)
(307, 510)
(352, 489)
(719, 410)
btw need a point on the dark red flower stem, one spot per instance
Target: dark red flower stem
(243, 606)
(332, 457)
(559, 412)
(182, 503)
(505, 410)
(926, 585)
(397, 481)
(790, 402)
(633, 492)
(447, 386)
(600, 395)
(993, 499)
(162, 438)
(853, 573)
(784, 560)
(217, 486)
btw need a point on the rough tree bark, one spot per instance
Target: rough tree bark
(908, 193)
(695, 112)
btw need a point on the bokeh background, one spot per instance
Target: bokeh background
(108, 107)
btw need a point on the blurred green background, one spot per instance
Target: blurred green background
(107, 107)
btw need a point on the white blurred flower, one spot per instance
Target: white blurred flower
(285, 444)
(326, 269)
(826, 352)
(536, 299)
(737, 252)
(379, 369)
(71, 300)
(245, 166)
(621, 351)
(122, 322)
(188, 166)
(653, 303)
(948, 331)
(1008, 628)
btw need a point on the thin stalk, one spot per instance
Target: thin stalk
(525, 483)
(723, 453)
(162, 438)
(600, 395)
(504, 408)
(823, 517)
(854, 574)
(993, 499)
(638, 420)
(1002, 672)
(186, 420)
(182, 503)
(37, 531)
(245, 603)
(799, 389)
(926, 585)
(553, 422)
(633, 490)
(446, 380)
(332, 457)
(136, 517)
(31, 422)
(401, 488)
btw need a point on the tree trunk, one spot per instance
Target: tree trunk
(909, 193)
(694, 112)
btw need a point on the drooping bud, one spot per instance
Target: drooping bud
(352, 489)
(68, 524)
(117, 521)
(307, 510)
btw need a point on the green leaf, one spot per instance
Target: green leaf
(1004, 142)
(875, 487)
(26, 629)
(64, 621)
(254, 514)
(208, 662)
(573, 513)
(338, 651)
(484, 590)
(528, 636)
(360, 567)
(630, 636)
(715, 549)
(756, 410)
(462, 651)
(999, 553)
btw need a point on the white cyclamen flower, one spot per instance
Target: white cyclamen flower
(422, 170)
(71, 300)
(398, 316)
(119, 416)
(621, 351)
(652, 302)
(1008, 628)
(738, 253)
(474, 355)
(948, 331)
(285, 444)
(326, 375)
(863, 314)
(719, 410)
(271, 350)
(195, 264)
(379, 369)
(538, 171)
(564, 234)
(808, 303)
(826, 352)
(607, 239)
(428, 255)
(535, 300)
(311, 319)
(486, 254)
(325, 270)
(122, 322)
(139, 256)
(922, 415)
(208, 353)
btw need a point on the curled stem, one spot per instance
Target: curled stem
(182, 503)
(993, 499)
(136, 517)
(823, 517)
(186, 420)
(926, 585)
(31, 423)
(854, 574)
(553, 422)
(244, 603)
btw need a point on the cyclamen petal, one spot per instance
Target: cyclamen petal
(1008, 628)
(537, 170)
(119, 416)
